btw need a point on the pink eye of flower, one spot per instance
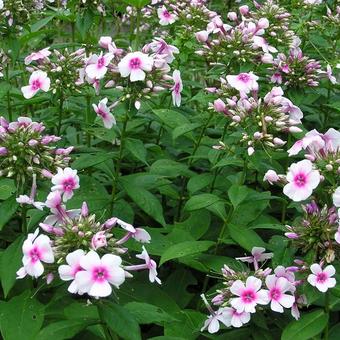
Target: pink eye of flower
(68, 184)
(176, 88)
(36, 84)
(99, 274)
(101, 62)
(321, 277)
(300, 179)
(244, 77)
(35, 254)
(135, 63)
(166, 14)
(248, 296)
(275, 294)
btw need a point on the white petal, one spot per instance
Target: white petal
(100, 289)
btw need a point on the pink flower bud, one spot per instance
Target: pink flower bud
(263, 23)
(294, 129)
(292, 235)
(84, 209)
(46, 173)
(244, 10)
(250, 151)
(3, 151)
(219, 105)
(33, 142)
(98, 240)
(202, 36)
(232, 16)
(279, 141)
(271, 176)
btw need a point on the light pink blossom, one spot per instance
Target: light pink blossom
(322, 278)
(234, 318)
(42, 54)
(213, 321)
(336, 197)
(151, 265)
(177, 88)
(244, 82)
(249, 295)
(165, 17)
(302, 180)
(97, 65)
(104, 112)
(134, 65)
(98, 240)
(258, 255)
(271, 177)
(99, 273)
(38, 81)
(65, 181)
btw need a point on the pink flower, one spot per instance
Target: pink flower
(165, 17)
(36, 249)
(98, 240)
(213, 321)
(67, 272)
(104, 112)
(24, 199)
(105, 41)
(244, 82)
(258, 255)
(42, 54)
(134, 64)
(249, 295)
(302, 180)
(277, 287)
(271, 176)
(65, 181)
(336, 197)
(234, 318)
(177, 88)
(99, 273)
(97, 65)
(321, 279)
(162, 49)
(38, 81)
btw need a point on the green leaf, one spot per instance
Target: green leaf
(120, 320)
(201, 201)
(146, 201)
(137, 149)
(41, 23)
(7, 209)
(183, 129)
(237, 194)
(170, 168)
(171, 118)
(10, 262)
(137, 3)
(21, 317)
(308, 326)
(198, 182)
(7, 188)
(60, 330)
(88, 160)
(146, 313)
(184, 249)
(246, 238)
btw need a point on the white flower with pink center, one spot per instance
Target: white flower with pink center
(277, 288)
(165, 17)
(135, 65)
(104, 113)
(336, 197)
(67, 272)
(249, 295)
(38, 81)
(42, 54)
(235, 318)
(99, 273)
(322, 278)
(177, 88)
(97, 65)
(65, 181)
(151, 265)
(302, 180)
(214, 319)
(258, 255)
(244, 82)
(36, 249)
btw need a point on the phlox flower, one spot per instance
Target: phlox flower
(97, 65)
(104, 112)
(98, 240)
(151, 265)
(67, 272)
(134, 64)
(277, 288)
(177, 88)
(258, 255)
(234, 318)
(213, 321)
(302, 180)
(36, 249)
(38, 81)
(42, 54)
(65, 181)
(162, 49)
(336, 197)
(99, 273)
(322, 278)
(165, 17)
(249, 295)
(24, 199)
(244, 82)
(271, 177)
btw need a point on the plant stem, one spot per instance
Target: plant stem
(87, 120)
(9, 106)
(24, 220)
(60, 111)
(326, 330)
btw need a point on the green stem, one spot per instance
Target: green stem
(24, 220)
(327, 311)
(87, 120)
(9, 106)
(60, 112)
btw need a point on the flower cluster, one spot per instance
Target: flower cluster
(244, 293)
(25, 150)
(262, 120)
(80, 248)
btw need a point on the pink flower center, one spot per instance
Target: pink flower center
(69, 184)
(135, 63)
(177, 87)
(35, 254)
(102, 113)
(300, 179)
(321, 277)
(100, 274)
(166, 14)
(101, 62)
(248, 296)
(36, 84)
(275, 293)
(244, 77)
